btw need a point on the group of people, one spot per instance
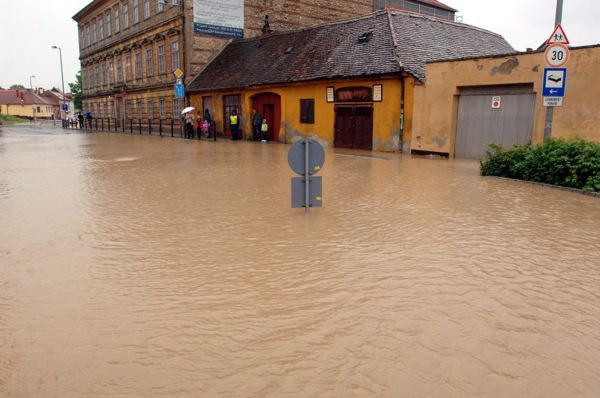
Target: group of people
(260, 127)
(202, 125)
(82, 120)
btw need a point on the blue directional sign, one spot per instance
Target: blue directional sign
(555, 81)
(179, 91)
(65, 107)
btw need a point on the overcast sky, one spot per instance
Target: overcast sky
(31, 27)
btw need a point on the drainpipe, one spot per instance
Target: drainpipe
(401, 114)
(185, 65)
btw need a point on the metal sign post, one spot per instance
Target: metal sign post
(306, 157)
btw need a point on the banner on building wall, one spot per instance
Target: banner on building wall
(223, 18)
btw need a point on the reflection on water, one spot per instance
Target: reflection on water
(135, 266)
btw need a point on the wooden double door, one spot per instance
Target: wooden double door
(354, 127)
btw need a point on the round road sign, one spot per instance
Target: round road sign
(297, 156)
(556, 55)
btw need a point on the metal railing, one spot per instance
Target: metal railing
(413, 7)
(161, 127)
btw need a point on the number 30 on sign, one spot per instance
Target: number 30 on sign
(557, 55)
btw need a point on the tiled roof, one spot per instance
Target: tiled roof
(392, 41)
(423, 39)
(13, 97)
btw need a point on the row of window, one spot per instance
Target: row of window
(104, 25)
(125, 69)
(107, 109)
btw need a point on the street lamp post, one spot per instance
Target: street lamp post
(62, 78)
(32, 104)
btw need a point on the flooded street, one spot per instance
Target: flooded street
(140, 266)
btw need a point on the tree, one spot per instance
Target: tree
(76, 91)
(17, 87)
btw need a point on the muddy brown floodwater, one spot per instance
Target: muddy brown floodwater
(135, 266)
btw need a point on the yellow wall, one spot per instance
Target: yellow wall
(386, 114)
(26, 110)
(436, 103)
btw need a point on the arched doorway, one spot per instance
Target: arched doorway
(269, 107)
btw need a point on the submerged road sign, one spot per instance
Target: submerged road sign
(306, 157)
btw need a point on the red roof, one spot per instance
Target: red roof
(25, 97)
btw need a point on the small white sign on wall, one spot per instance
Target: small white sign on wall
(496, 102)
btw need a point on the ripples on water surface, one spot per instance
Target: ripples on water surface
(135, 266)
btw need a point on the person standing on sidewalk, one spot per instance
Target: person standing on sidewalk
(199, 125)
(256, 120)
(233, 125)
(264, 129)
(206, 127)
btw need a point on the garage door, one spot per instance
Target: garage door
(502, 115)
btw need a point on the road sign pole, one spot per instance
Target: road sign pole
(550, 110)
(306, 157)
(306, 176)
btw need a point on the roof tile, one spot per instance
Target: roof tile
(394, 41)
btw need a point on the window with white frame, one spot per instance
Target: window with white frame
(125, 16)
(129, 109)
(138, 65)
(109, 25)
(175, 107)
(150, 105)
(160, 5)
(128, 67)
(87, 35)
(139, 109)
(136, 11)
(162, 109)
(94, 33)
(174, 2)
(149, 66)
(101, 25)
(161, 59)
(119, 70)
(146, 9)
(175, 55)
(111, 71)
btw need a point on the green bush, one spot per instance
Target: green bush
(573, 163)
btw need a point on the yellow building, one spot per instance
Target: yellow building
(25, 103)
(349, 83)
(130, 49)
(469, 103)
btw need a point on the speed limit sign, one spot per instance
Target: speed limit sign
(556, 55)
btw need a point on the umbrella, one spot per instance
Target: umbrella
(188, 109)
